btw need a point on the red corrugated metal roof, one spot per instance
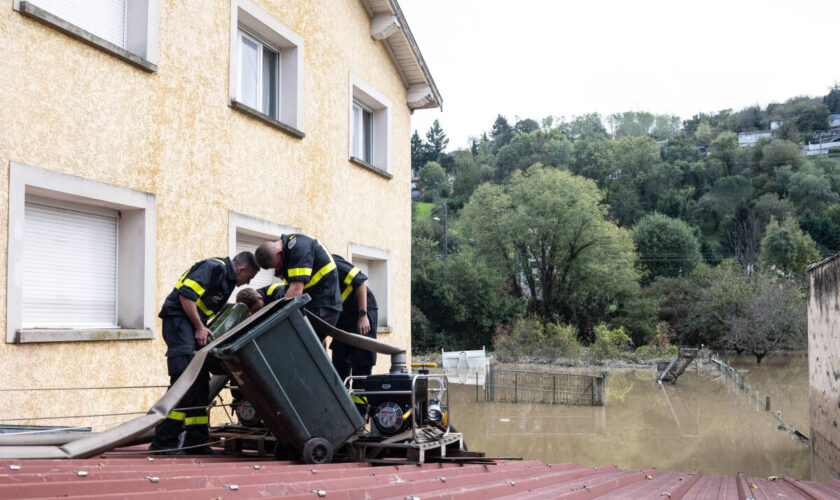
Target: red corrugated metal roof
(138, 476)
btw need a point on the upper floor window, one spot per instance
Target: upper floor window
(266, 68)
(362, 132)
(370, 127)
(126, 28)
(259, 83)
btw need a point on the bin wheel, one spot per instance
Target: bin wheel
(317, 451)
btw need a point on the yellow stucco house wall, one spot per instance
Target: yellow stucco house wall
(155, 129)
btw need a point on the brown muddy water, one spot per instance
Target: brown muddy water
(703, 422)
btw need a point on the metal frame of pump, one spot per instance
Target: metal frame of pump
(441, 391)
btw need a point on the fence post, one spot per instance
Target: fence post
(554, 390)
(767, 404)
(515, 386)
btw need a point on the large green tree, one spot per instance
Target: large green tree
(546, 229)
(787, 248)
(524, 150)
(666, 246)
(433, 177)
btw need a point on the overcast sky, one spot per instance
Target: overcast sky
(534, 58)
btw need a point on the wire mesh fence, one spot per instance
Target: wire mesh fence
(519, 386)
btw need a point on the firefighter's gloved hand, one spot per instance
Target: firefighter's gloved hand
(201, 336)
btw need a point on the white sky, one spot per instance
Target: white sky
(533, 58)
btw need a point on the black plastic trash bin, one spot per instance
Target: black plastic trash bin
(282, 369)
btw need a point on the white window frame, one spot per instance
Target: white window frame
(261, 46)
(362, 138)
(259, 24)
(365, 96)
(254, 228)
(136, 270)
(381, 258)
(141, 31)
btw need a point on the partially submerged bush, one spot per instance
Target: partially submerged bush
(609, 343)
(529, 337)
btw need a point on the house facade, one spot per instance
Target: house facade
(144, 135)
(824, 367)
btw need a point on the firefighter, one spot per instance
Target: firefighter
(259, 298)
(304, 263)
(198, 295)
(359, 315)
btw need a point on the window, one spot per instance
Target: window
(374, 263)
(246, 234)
(259, 75)
(362, 133)
(126, 28)
(266, 68)
(370, 133)
(89, 235)
(101, 285)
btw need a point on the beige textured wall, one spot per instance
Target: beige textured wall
(72, 108)
(824, 367)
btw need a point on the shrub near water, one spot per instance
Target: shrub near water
(529, 337)
(609, 343)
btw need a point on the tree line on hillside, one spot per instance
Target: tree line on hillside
(637, 223)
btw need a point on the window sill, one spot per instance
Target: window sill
(49, 19)
(33, 335)
(264, 117)
(362, 163)
(384, 329)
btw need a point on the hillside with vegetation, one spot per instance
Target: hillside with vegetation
(564, 233)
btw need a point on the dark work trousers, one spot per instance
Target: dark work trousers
(349, 360)
(194, 421)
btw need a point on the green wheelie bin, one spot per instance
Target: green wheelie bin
(284, 372)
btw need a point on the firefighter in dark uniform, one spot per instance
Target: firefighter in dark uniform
(198, 295)
(307, 266)
(255, 300)
(359, 315)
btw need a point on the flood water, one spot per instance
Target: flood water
(703, 422)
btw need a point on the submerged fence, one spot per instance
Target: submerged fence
(754, 395)
(518, 386)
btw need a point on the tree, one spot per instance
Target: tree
(418, 152)
(821, 229)
(781, 152)
(787, 248)
(672, 203)
(666, 246)
(832, 99)
(773, 317)
(501, 133)
(433, 177)
(810, 188)
(724, 149)
(633, 156)
(546, 230)
(725, 196)
(703, 134)
(584, 126)
(437, 141)
(536, 147)
(526, 126)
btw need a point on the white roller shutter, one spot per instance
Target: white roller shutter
(263, 278)
(103, 18)
(69, 266)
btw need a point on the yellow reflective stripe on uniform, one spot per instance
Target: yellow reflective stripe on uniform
(272, 288)
(206, 310)
(346, 293)
(299, 271)
(320, 274)
(220, 260)
(198, 289)
(359, 400)
(176, 415)
(197, 420)
(352, 274)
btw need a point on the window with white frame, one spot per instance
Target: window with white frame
(266, 67)
(374, 263)
(246, 234)
(362, 132)
(370, 125)
(127, 28)
(259, 75)
(101, 283)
